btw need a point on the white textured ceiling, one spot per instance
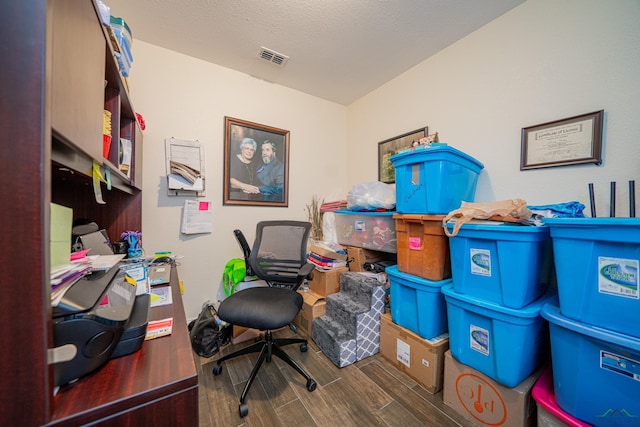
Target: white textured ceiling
(339, 50)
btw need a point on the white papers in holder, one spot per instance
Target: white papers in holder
(189, 154)
(197, 217)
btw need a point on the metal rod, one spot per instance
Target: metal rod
(612, 201)
(632, 199)
(592, 200)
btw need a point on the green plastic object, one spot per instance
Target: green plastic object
(234, 272)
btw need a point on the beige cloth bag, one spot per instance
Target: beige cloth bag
(504, 210)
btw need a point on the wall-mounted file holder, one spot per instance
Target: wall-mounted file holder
(185, 167)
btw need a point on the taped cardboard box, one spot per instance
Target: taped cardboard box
(421, 359)
(326, 282)
(313, 305)
(483, 401)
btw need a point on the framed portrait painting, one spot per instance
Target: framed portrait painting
(256, 164)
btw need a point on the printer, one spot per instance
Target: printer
(98, 318)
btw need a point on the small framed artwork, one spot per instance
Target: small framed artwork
(389, 147)
(570, 141)
(256, 164)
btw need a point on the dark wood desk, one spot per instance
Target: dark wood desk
(157, 385)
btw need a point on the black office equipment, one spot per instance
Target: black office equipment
(91, 317)
(135, 329)
(279, 258)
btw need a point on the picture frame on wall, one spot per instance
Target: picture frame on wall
(256, 164)
(389, 147)
(570, 141)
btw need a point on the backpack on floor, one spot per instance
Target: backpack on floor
(208, 333)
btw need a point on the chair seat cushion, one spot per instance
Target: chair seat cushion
(261, 308)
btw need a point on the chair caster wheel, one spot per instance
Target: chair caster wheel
(243, 410)
(304, 347)
(311, 385)
(217, 370)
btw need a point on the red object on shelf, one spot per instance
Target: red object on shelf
(141, 121)
(106, 145)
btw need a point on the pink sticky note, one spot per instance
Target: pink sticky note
(203, 206)
(415, 243)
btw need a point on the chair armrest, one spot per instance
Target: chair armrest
(306, 270)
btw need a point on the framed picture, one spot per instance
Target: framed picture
(389, 147)
(570, 141)
(256, 164)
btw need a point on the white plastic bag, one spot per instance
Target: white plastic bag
(371, 196)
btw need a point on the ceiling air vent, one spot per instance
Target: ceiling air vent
(272, 56)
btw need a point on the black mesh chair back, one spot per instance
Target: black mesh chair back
(279, 251)
(278, 257)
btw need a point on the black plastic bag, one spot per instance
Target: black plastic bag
(208, 333)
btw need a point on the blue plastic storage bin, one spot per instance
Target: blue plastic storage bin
(597, 262)
(417, 304)
(506, 344)
(434, 180)
(507, 264)
(596, 372)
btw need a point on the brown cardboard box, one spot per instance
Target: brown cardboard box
(358, 256)
(483, 401)
(241, 334)
(422, 360)
(326, 282)
(313, 306)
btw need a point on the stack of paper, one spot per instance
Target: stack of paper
(327, 255)
(62, 278)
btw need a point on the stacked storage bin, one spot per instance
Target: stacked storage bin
(122, 34)
(501, 275)
(430, 181)
(595, 328)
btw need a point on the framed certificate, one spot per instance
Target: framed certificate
(570, 141)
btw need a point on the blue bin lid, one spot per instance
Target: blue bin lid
(501, 231)
(477, 304)
(434, 153)
(367, 213)
(551, 312)
(602, 229)
(417, 281)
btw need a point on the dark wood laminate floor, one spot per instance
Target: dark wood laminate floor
(371, 392)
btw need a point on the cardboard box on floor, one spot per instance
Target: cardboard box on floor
(241, 334)
(326, 282)
(313, 306)
(422, 360)
(483, 401)
(359, 256)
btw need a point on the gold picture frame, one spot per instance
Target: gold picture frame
(249, 179)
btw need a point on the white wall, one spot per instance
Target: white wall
(543, 61)
(186, 98)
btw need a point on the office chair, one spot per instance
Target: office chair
(279, 257)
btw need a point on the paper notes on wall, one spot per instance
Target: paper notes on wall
(197, 217)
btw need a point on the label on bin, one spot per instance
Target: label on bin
(480, 262)
(360, 225)
(415, 243)
(479, 339)
(618, 277)
(620, 364)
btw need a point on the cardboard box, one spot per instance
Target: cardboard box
(483, 401)
(326, 282)
(241, 334)
(313, 305)
(421, 359)
(359, 256)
